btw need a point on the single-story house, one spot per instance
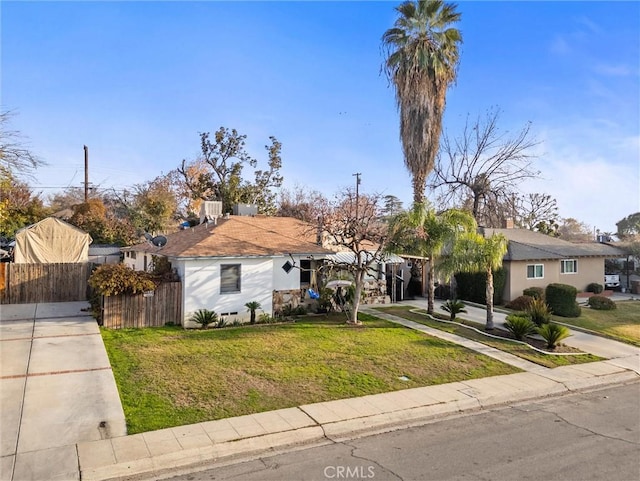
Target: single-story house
(51, 241)
(104, 254)
(534, 259)
(225, 263)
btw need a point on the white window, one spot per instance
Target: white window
(229, 278)
(568, 266)
(535, 271)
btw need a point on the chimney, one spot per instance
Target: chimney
(507, 223)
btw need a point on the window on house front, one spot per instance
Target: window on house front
(535, 271)
(229, 278)
(133, 254)
(569, 266)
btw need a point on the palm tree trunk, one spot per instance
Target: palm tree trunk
(431, 287)
(489, 326)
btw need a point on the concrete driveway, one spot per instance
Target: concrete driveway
(56, 389)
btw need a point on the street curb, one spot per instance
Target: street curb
(336, 421)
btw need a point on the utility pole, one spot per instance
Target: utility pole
(357, 176)
(86, 174)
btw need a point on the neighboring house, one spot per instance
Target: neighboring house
(51, 241)
(226, 263)
(104, 254)
(536, 260)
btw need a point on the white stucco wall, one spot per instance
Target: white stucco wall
(283, 281)
(137, 264)
(201, 286)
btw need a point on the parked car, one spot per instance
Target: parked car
(611, 281)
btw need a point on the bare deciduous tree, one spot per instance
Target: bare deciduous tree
(15, 157)
(353, 223)
(480, 168)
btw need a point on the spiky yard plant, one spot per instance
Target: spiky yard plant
(520, 326)
(204, 317)
(539, 312)
(454, 307)
(553, 334)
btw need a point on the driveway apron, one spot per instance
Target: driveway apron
(56, 389)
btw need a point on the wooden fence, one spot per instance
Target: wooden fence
(156, 308)
(27, 283)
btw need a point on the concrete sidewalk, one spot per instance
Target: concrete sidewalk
(56, 389)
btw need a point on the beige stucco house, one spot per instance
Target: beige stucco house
(536, 260)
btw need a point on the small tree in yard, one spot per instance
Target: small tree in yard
(473, 252)
(353, 223)
(425, 233)
(252, 307)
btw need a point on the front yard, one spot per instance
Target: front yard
(517, 349)
(622, 324)
(168, 376)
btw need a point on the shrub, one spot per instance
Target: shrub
(601, 303)
(595, 288)
(454, 307)
(473, 286)
(204, 317)
(535, 292)
(114, 279)
(519, 326)
(553, 333)
(519, 303)
(561, 299)
(539, 312)
(265, 318)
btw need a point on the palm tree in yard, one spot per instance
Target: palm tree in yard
(425, 234)
(474, 252)
(421, 61)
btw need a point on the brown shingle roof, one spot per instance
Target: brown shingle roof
(240, 236)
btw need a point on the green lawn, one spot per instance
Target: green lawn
(168, 376)
(622, 323)
(514, 348)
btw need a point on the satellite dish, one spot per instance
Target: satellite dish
(159, 241)
(148, 236)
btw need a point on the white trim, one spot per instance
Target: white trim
(534, 271)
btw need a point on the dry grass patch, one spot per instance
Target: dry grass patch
(622, 324)
(168, 376)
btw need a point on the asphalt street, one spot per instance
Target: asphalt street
(584, 436)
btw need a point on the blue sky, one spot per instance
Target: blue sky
(137, 81)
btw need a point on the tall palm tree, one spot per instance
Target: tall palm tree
(421, 61)
(474, 252)
(424, 233)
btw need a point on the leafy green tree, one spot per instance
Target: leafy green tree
(252, 307)
(628, 227)
(473, 252)
(217, 174)
(102, 226)
(19, 206)
(424, 233)
(422, 55)
(151, 206)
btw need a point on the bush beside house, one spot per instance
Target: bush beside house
(561, 299)
(473, 286)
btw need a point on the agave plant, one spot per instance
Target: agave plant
(454, 307)
(204, 317)
(252, 307)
